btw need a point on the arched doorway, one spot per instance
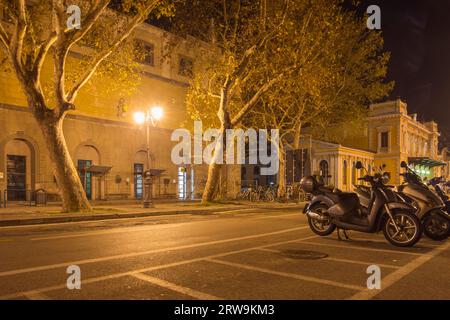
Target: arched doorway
(20, 169)
(324, 172)
(85, 157)
(140, 165)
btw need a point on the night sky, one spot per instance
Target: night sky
(417, 33)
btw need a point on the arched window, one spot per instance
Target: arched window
(323, 165)
(344, 172)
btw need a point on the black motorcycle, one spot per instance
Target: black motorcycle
(384, 212)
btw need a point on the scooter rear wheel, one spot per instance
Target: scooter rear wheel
(409, 232)
(324, 227)
(436, 227)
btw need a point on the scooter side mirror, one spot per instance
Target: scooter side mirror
(359, 165)
(404, 164)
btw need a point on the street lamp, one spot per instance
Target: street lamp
(148, 118)
(139, 117)
(156, 114)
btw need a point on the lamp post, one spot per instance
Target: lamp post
(148, 118)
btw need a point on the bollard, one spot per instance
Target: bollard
(147, 203)
(40, 197)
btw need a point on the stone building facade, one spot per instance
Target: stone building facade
(107, 147)
(390, 136)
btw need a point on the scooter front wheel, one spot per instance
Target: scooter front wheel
(436, 227)
(406, 230)
(322, 227)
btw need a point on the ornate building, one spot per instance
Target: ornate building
(390, 136)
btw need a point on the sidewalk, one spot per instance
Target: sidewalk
(25, 215)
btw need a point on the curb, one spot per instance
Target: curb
(79, 218)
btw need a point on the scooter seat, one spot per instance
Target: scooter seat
(346, 203)
(349, 199)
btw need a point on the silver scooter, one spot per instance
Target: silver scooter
(429, 206)
(331, 209)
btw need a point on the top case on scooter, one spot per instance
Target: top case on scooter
(347, 205)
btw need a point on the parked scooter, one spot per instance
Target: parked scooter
(429, 206)
(332, 208)
(437, 183)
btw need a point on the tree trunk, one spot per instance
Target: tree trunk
(212, 183)
(281, 172)
(50, 121)
(69, 184)
(213, 180)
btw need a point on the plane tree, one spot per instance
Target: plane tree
(231, 79)
(38, 33)
(278, 65)
(337, 82)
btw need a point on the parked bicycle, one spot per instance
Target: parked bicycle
(260, 193)
(295, 193)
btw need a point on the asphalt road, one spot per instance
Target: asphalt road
(252, 254)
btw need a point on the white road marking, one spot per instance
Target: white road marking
(278, 216)
(114, 230)
(36, 295)
(289, 275)
(428, 245)
(364, 263)
(134, 228)
(174, 287)
(362, 248)
(141, 253)
(164, 266)
(397, 275)
(88, 221)
(235, 210)
(137, 219)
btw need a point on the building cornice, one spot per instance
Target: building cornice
(81, 117)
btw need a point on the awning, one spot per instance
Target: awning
(424, 161)
(97, 170)
(156, 172)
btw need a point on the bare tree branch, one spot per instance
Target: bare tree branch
(92, 16)
(42, 51)
(263, 89)
(4, 38)
(237, 17)
(106, 53)
(250, 52)
(16, 43)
